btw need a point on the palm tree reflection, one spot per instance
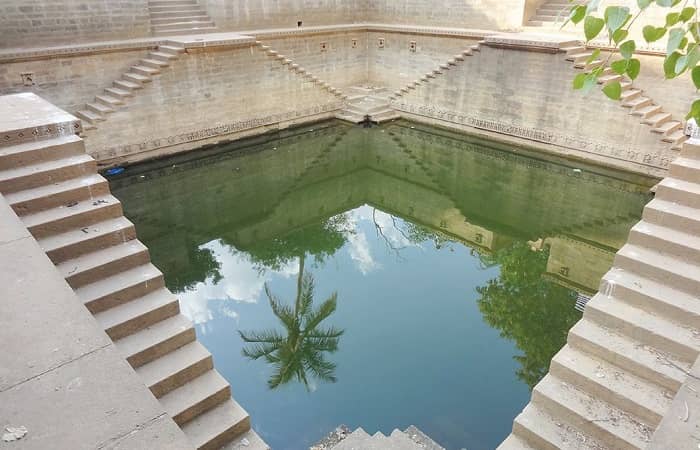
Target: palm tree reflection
(300, 350)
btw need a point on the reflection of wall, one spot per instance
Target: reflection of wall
(576, 264)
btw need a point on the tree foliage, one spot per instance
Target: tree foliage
(681, 29)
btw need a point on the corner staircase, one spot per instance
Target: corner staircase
(428, 77)
(367, 102)
(177, 17)
(662, 123)
(625, 361)
(118, 95)
(553, 13)
(53, 186)
(300, 71)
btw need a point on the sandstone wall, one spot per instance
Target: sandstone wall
(480, 14)
(342, 63)
(34, 23)
(71, 81)
(536, 102)
(205, 96)
(236, 15)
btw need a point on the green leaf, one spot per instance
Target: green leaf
(694, 111)
(620, 35)
(615, 17)
(627, 49)
(577, 13)
(589, 82)
(652, 33)
(613, 90)
(592, 27)
(592, 6)
(695, 31)
(670, 64)
(693, 56)
(687, 13)
(579, 80)
(633, 68)
(695, 75)
(644, 3)
(681, 64)
(675, 36)
(594, 56)
(620, 66)
(667, 3)
(672, 19)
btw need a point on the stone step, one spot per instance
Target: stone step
(653, 296)
(155, 63)
(643, 326)
(174, 369)
(349, 116)
(535, 428)
(247, 441)
(118, 289)
(171, 2)
(99, 108)
(71, 244)
(196, 397)
(56, 194)
(660, 267)
(137, 77)
(666, 241)
(386, 116)
(181, 31)
(616, 385)
(691, 150)
(163, 56)
(673, 215)
(579, 56)
(42, 173)
(656, 120)
(679, 191)
(103, 263)
(154, 10)
(109, 101)
(667, 127)
(647, 111)
(183, 24)
(639, 359)
(127, 86)
(637, 102)
(676, 136)
(592, 416)
(145, 71)
(74, 215)
(156, 340)
(90, 116)
(131, 317)
(685, 169)
(184, 18)
(172, 49)
(217, 427)
(28, 153)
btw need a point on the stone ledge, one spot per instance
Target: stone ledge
(548, 43)
(28, 117)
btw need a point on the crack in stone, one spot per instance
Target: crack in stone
(110, 443)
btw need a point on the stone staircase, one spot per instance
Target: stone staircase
(53, 186)
(411, 439)
(176, 17)
(118, 95)
(662, 123)
(553, 13)
(428, 77)
(297, 69)
(368, 102)
(627, 358)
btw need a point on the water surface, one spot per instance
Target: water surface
(390, 277)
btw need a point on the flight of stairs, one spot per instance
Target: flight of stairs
(553, 13)
(53, 186)
(428, 77)
(662, 123)
(295, 68)
(117, 95)
(177, 17)
(627, 358)
(367, 102)
(410, 439)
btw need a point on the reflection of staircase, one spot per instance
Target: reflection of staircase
(553, 13)
(174, 17)
(411, 439)
(52, 184)
(116, 96)
(625, 361)
(653, 115)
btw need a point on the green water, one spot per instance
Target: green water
(439, 273)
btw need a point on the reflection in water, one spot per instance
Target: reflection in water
(301, 350)
(458, 264)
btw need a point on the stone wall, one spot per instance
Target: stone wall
(204, 97)
(341, 62)
(69, 81)
(236, 15)
(479, 14)
(537, 104)
(35, 23)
